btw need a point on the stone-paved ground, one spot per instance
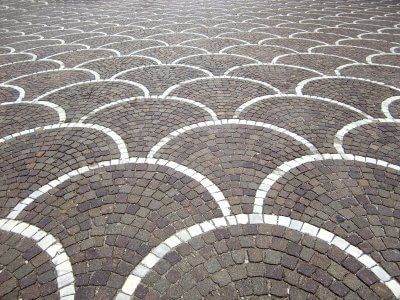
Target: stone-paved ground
(200, 149)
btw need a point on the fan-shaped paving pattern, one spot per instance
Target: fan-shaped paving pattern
(234, 157)
(385, 74)
(356, 201)
(33, 160)
(17, 117)
(110, 218)
(40, 83)
(259, 261)
(213, 45)
(222, 95)
(23, 46)
(108, 67)
(8, 94)
(143, 122)
(216, 63)
(364, 95)
(157, 79)
(168, 54)
(377, 140)
(356, 53)
(26, 270)
(372, 44)
(264, 54)
(297, 44)
(326, 64)
(211, 32)
(250, 37)
(13, 58)
(176, 38)
(95, 42)
(279, 31)
(43, 52)
(387, 59)
(127, 47)
(74, 58)
(314, 119)
(283, 77)
(328, 38)
(150, 80)
(11, 71)
(78, 100)
(145, 32)
(74, 37)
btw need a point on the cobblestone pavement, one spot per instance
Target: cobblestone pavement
(228, 149)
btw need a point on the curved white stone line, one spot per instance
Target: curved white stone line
(105, 46)
(59, 110)
(293, 35)
(183, 46)
(119, 55)
(95, 74)
(77, 51)
(247, 104)
(214, 191)
(172, 33)
(173, 98)
(276, 59)
(235, 39)
(12, 50)
(60, 64)
(385, 106)
(142, 87)
(185, 235)
(286, 167)
(34, 57)
(62, 42)
(125, 31)
(59, 29)
(350, 46)
(100, 34)
(20, 91)
(153, 151)
(275, 46)
(53, 248)
(372, 56)
(337, 71)
(221, 35)
(300, 86)
(287, 38)
(49, 56)
(177, 61)
(360, 36)
(338, 141)
(174, 87)
(114, 136)
(343, 40)
(206, 72)
(274, 64)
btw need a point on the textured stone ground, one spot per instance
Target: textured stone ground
(200, 149)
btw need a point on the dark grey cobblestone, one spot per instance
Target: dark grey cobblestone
(170, 114)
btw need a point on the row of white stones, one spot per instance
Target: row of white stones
(214, 191)
(52, 247)
(339, 137)
(114, 136)
(185, 235)
(153, 151)
(286, 167)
